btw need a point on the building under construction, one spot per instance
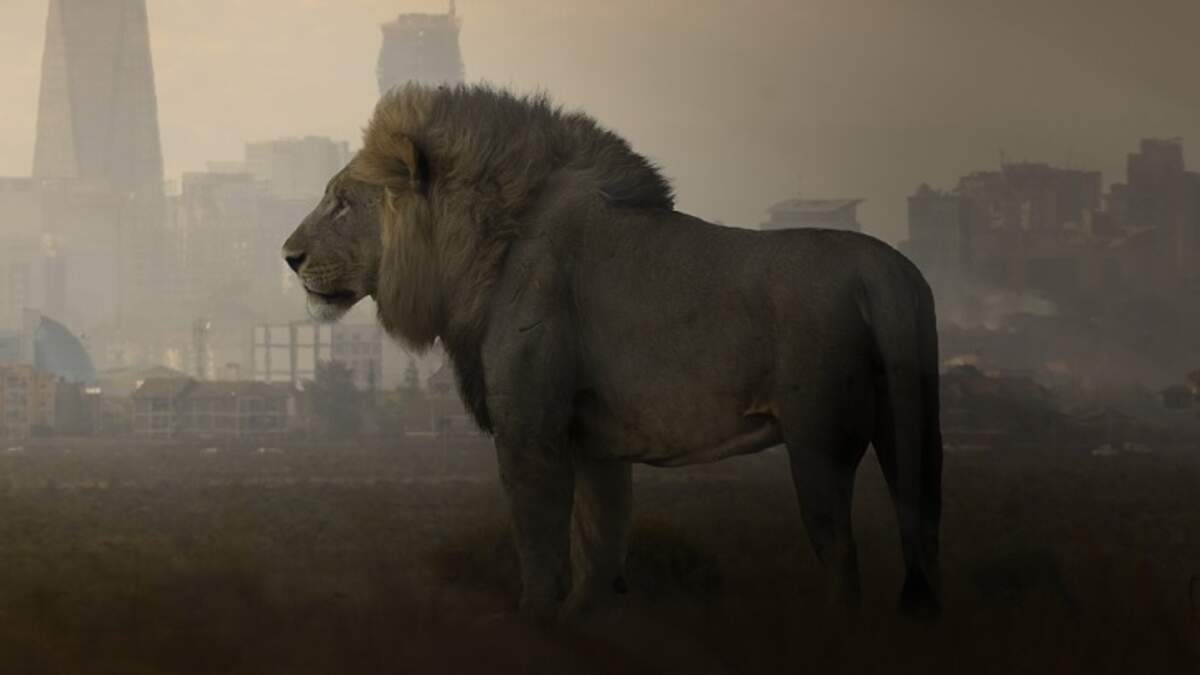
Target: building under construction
(421, 48)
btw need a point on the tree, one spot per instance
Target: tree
(337, 403)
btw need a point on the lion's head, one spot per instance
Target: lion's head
(335, 251)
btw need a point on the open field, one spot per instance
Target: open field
(350, 559)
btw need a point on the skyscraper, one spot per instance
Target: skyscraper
(98, 113)
(421, 48)
(98, 146)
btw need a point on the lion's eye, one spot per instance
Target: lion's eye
(340, 209)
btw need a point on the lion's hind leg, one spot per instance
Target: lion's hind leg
(919, 594)
(824, 460)
(601, 517)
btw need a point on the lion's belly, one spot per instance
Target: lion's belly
(664, 434)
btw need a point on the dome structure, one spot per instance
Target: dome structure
(56, 350)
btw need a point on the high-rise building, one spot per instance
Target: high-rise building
(98, 143)
(939, 230)
(1162, 194)
(421, 48)
(1036, 228)
(21, 248)
(296, 168)
(98, 114)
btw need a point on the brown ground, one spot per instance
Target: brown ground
(352, 560)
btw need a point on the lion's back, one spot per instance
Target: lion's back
(647, 250)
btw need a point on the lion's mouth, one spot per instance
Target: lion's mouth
(334, 297)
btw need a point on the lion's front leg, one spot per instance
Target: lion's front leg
(601, 518)
(538, 481)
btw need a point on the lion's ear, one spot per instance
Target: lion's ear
(397, 165)
(414, 161)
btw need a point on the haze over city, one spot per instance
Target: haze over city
(743, 104)
(483, 387)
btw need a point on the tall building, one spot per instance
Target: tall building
(27, 397)
(98, 149)
(939, 230)
(98, 114)
(1032, 196)
(1160, 193)
(421, 48)
(214, 224)
(1033, 227)
(297, 168)
(21, 249)
(235, 217)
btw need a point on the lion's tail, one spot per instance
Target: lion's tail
(899, 307)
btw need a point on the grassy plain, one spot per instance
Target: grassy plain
(352, 559)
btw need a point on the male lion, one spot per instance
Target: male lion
(592, 326)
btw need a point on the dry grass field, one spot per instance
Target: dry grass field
(139, 560)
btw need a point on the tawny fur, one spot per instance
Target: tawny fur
(518, 235)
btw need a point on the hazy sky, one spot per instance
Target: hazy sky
(743, 103)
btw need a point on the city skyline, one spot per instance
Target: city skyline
(934, 90)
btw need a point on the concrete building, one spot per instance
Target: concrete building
(1160, 194)
(837, 214)
(22, 258)
(213, 225)
(421, 48)
(297, 168)
(1036, 228)
(27, 398)
(156, 406)
(230, 222)
(122, 382)
(33, 265)
(939, 235)
(234, 218)
(173, 407)
(1031, 196)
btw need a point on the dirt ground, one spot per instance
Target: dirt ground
(353, 559)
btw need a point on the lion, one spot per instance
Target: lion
(592, 326)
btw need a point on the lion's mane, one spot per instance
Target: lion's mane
(462, 166)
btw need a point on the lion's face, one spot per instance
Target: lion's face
(336, 250)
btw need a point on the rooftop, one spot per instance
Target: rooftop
(211, 390)
(162, 387)
(175, 387)
(813, 206)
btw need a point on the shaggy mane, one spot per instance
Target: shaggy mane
(461, 167)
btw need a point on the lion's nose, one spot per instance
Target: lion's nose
(294, 260)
